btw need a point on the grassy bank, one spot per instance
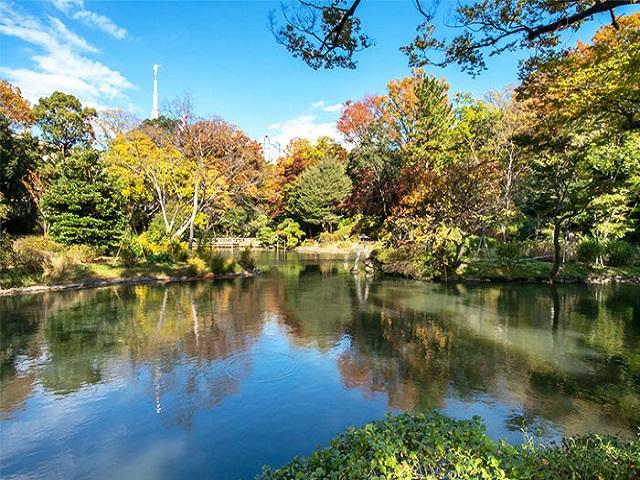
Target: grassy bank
(410, 262)
(35, 261)
(434, 446)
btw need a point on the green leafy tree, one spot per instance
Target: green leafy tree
(84, 205)
(64, 122)
(18, 152)
(318, 192)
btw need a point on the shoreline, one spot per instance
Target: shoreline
(108, 282)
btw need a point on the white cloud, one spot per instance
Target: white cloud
(321, 104)
(76, 9)
(100, 22)
(305, 126)
(66, 5)
(61, 62)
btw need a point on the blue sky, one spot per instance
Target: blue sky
(223, 53)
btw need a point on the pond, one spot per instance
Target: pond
(216, 379)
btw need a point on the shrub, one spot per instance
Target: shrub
(247, 260)
(218, 264)
(266, 236)
(162, 250)
(437, 447)
(508, 252)
(68, 262)
(33, 254)
(39, 257)
(288, 232)
(589, 251)
(347, 227)
(197, 265)
(619, 253)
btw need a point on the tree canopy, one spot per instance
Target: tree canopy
(327, 34)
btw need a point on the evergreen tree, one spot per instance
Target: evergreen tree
(84, 205)
(317, 193)
(18, 153)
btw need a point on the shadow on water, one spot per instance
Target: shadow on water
(189, 379)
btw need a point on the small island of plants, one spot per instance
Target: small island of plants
(434, 446)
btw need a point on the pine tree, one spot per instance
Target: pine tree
(317, 193)
(84, 205)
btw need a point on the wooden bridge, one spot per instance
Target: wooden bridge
(233, 242)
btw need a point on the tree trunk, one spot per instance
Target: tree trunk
(557, 250)
(192, 220)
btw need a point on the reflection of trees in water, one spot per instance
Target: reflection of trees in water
(88, 336)
(524, 346)
(569, 355)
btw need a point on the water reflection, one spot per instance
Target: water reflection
(221, 378)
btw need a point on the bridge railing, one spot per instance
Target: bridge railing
(230, 242)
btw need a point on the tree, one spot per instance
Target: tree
(327, 33)
(581, 144)
(64, 122)
(317, 193)
(84, 205)
(13, 106)
(18, 154)
(391, 132)
(225, 166)
(192, 172)
(562, 183)
(299, 155)
(594, 85)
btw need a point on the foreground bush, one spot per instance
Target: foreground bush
(433, 446)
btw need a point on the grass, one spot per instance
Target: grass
(31, 261)
(106, 269)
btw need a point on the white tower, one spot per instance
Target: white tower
(154, 112)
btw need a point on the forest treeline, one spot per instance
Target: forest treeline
(549, 169)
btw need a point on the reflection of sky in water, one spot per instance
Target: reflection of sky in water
(217, 380)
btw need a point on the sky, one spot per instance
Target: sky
(223, 53)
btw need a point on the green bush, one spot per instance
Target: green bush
(347, 228)
(589, 251)
(508, 252)
(433, 446)
(619, 253)
(288, 232)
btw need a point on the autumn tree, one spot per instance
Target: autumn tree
(192, 170)
(327, 34)
(13, 106)
(581, 143)
(595, 85)
(388, 134)
(299, 155)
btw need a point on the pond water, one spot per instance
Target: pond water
(216, 379)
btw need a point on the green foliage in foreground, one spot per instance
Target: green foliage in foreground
(433, 446)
